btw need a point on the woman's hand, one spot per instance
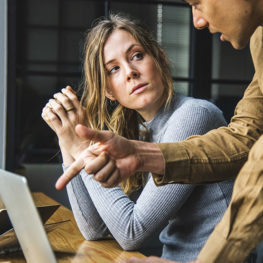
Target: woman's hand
(62, 114)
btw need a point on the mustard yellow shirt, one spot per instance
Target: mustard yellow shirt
(219, 155)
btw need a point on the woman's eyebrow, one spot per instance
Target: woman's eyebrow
(127, 51)
(110, 61)
(131, 47)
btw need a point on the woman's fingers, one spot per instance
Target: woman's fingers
(69, 101)
(68, 98)
(64, 101)
(71, 95)
(51, 118)
(58, 109)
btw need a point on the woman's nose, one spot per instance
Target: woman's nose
(198, 21)
(132, 73)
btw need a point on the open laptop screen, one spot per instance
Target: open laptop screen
(25, 219)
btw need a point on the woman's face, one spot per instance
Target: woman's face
(132, 76)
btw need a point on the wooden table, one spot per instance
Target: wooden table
(68, 243)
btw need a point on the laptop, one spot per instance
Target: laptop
(16, 197)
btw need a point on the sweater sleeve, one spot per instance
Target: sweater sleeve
(88, 220)
(132, 223)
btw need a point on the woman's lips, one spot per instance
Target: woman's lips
(138, 89)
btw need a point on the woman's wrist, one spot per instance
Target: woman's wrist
(67, 158)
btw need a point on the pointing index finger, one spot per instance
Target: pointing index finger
(70, 173)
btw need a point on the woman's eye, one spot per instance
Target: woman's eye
(138, 56)
(113, 69)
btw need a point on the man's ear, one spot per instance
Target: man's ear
(109, 95)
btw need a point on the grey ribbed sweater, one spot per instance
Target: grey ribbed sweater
(186, 214)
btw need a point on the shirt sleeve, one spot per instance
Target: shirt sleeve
(241, 228)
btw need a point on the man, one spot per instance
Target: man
(212, 157)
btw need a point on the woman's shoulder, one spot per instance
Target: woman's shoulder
(194, 116)
(193, 104)
(190, 107)
(187, 116)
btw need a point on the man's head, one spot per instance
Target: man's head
(236, 20)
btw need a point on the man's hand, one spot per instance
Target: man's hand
(153, 260)
(128, 156)
(123, 161)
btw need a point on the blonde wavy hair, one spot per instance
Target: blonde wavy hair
(100, 115)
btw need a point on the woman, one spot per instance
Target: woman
(125, 66)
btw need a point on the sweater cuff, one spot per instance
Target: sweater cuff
(174, 155)
(218, 249)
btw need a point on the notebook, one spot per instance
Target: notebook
(25, 218)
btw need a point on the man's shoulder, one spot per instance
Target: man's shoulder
(257, 37)
(256, 47)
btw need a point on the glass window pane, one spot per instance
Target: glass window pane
(42, 12)
(43, 86)
(222, 90)
(48, 67)
(146, 13)
(42, 44)
(226, 96)
(176, 38)
(230, 64)
(80, 13)
(71, 45)
(182, 87)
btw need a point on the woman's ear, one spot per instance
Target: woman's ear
(109, 95)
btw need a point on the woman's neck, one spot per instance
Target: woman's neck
(149, 113)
